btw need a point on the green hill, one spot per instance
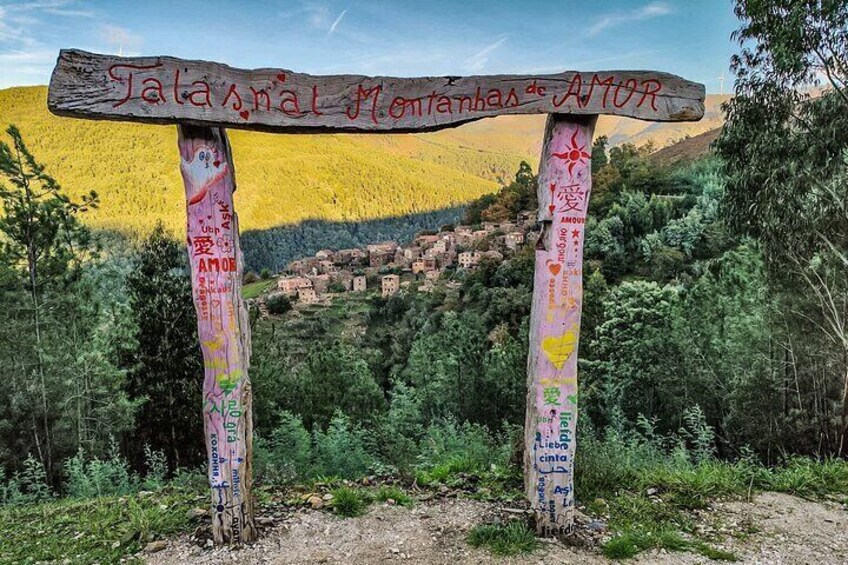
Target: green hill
(282, 179)
(285, 180)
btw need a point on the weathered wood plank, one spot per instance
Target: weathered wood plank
(565, 181)
(223, 327)
(166, 90)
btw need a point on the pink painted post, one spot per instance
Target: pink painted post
(565, 180)
(223, 328)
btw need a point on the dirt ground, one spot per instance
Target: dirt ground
(775, 529)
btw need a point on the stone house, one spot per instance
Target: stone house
(307, 295)
(423, 265)
(290, 285)
(469, 259)
(390, 285)
(513, 239)
(359, 283)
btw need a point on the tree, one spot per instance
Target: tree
(599, 153)
(163, 359)
(278, 304)
(43, 242)
(783, 154)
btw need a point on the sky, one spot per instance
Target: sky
(690, 38)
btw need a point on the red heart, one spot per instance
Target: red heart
(281, 77)
(244, 114)
(554, 268)
(216, 163)
(552, 208)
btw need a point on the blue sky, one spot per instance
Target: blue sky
(390, 37)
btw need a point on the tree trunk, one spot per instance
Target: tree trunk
(223, 328)
(564, 185)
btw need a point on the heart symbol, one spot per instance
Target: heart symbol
(281, 77)
(551, 208)
(244, 114)
(559, 348)
(201, 173)
(554, 268)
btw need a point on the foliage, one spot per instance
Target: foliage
(341, 451)
(93, 477)
(101, 530)
(61, 384)
(278, 304)
(348, 502)
(286, 454)
(783, 157)
(161, 353)
(512, 538)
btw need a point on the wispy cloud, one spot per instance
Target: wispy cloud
(336, 23)
(477, 61)
(121, 39)
(647, 12)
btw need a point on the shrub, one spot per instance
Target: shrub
(278, 304)
(88, 478)
(340, 451)
(285, 455)
(27, 486)
(156, 465)
(250, 277)
(348, 502)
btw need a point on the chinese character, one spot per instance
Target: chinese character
(571, 198)
(202, 245)
(551, 395)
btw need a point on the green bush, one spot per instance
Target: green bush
(286, 454)
(340, 451)
(348, 502)
(88, 478)
(278, 304)
(27, 486)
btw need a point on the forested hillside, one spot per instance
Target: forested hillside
(286, 179)
(282, 179)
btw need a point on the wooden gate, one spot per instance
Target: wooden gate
(203, 98)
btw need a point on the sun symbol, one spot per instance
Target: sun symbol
(574, 155)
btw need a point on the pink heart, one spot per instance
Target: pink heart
(201, 172)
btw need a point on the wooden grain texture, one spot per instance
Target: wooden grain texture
(166, 90)
(565, 181)
(223, 328)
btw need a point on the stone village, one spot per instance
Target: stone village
(391, 267)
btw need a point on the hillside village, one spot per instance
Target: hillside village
(390, 267)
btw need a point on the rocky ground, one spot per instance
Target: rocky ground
(772, 529)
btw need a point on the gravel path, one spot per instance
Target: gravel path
(779, 529)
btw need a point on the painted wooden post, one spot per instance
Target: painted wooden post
(222, 322)
(565, 181)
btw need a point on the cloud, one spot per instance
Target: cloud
(647, 12)
(123, 40)
(478, 60)
(336, 23)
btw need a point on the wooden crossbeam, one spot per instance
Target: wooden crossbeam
(166, 90)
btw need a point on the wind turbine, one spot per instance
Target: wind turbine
(721, 84)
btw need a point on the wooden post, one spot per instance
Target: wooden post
(223, 328)
(565, 180)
